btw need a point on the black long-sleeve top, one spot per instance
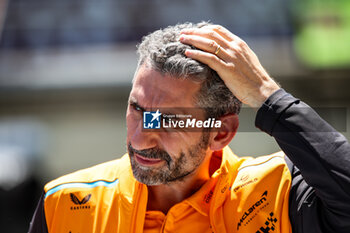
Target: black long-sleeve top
(319, 160)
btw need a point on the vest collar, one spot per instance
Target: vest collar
(207, 200)
(213, 193)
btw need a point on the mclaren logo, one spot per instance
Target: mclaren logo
(80, 204)
(252, 208)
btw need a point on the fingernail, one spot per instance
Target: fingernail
(181, 38)
(188, 52)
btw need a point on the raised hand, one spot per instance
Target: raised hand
(233, 60)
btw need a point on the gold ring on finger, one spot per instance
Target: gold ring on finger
(217, 50)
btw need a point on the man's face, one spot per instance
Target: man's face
(158, 156)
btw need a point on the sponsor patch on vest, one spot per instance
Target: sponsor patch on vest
(252, 212)
(245, 182)
(208, 196)
(80, 204)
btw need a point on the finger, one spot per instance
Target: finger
(226, 34)
(207, 33)
(206, 45)
(207, 58)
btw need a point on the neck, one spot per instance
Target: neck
(163, 197)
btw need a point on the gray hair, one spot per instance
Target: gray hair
(162, 51)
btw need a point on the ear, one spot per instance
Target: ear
(222, 137)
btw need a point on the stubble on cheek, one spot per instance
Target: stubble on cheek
(174, 169)
(150, 175)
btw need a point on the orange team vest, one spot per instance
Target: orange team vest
(244, 195)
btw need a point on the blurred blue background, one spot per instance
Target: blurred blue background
(66, 69)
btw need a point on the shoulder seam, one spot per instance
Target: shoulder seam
(258, 164)
(92, 184)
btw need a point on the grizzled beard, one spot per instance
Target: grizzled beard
(172, 170)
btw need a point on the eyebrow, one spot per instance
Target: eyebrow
(133, 101)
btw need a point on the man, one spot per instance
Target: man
(182, 180)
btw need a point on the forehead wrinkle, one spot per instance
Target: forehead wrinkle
(152, 95)
(147, 97)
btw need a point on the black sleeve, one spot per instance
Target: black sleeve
(319, 161)
(38, 223)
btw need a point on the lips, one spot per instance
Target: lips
(146, 161)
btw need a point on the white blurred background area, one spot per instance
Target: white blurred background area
(66, 68)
